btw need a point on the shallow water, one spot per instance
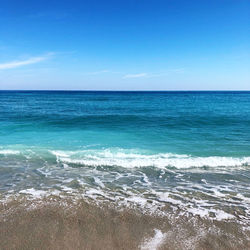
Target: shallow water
(189, 151)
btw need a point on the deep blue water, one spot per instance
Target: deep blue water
(196, 123)
(161, 142)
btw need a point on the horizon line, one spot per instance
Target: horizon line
(100, 90)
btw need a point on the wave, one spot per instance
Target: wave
(9, 152)
(128, 159)
(211, 196)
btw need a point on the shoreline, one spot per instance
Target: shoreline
(56, 222)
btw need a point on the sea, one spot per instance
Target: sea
(187, 150)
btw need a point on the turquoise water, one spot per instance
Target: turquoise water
(187, 149)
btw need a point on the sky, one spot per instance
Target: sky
(125, 45)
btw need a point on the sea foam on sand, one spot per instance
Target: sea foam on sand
(155, 242)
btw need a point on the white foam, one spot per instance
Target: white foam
(34, 192)
(99, 182)
(125, 159)
(155, 242)
(137, 200)
(195, 207)
(198, 211)
(9, 152)
(141, 189)
(221, 215)
(164, 197)
(246, 199)
(62, 153)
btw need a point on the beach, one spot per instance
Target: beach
(60, 223)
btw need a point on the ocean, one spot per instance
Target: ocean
(188, 150)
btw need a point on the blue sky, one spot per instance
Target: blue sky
(125, 45)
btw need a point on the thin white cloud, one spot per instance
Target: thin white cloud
(16, 64)
(155, 74)
(125, 75)
(136, 75)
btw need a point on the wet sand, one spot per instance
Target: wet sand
(61, 223)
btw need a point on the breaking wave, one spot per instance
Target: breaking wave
(127, 159)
